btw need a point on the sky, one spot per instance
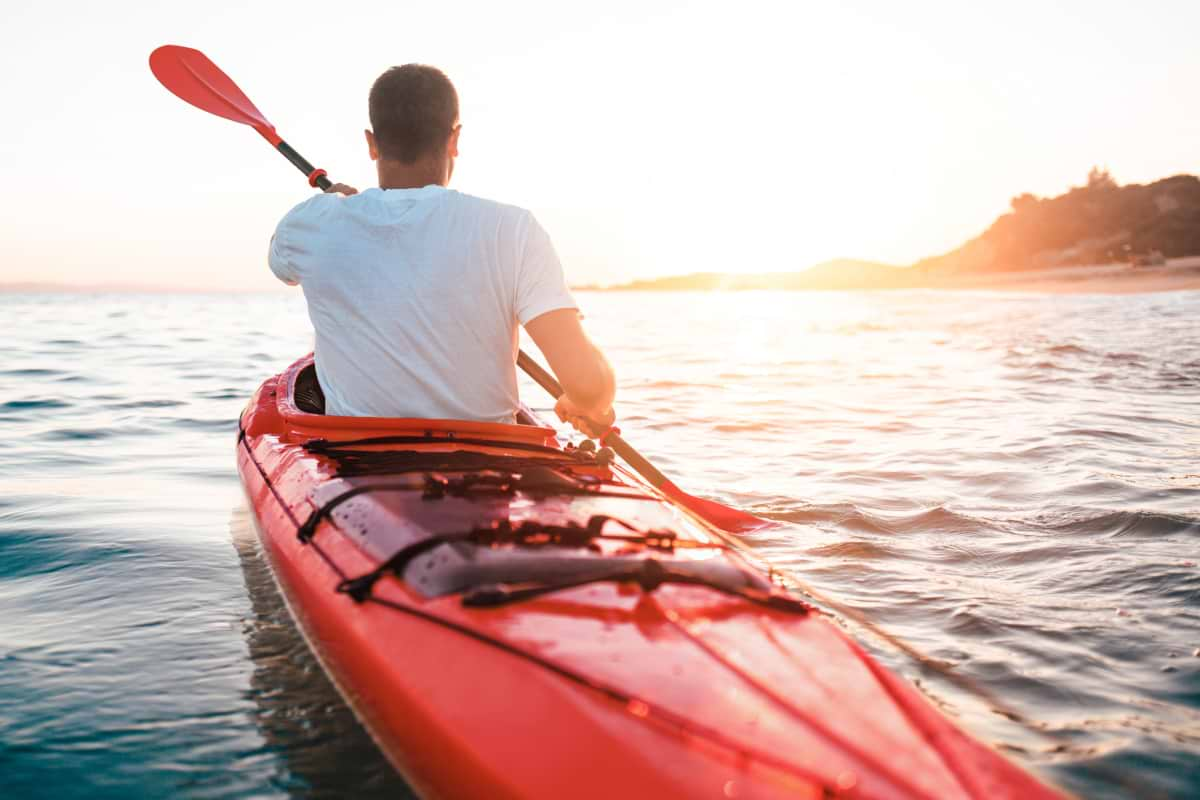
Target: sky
(650, 138)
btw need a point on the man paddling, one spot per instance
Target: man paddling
(415, 291)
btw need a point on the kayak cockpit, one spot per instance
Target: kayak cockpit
(309, 397)
(307, 393)
(300, 401)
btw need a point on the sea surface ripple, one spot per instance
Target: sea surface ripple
(1007, 481)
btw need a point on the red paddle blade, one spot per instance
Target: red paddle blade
(718, 514)
(192, 77)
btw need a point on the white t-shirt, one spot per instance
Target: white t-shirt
(415, 296)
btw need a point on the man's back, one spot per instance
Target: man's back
(415, 296)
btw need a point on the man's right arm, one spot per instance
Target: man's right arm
(278, 261)
(281, 255)
(545, 307)
(585, 374)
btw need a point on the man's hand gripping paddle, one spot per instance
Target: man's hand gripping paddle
(190, 75)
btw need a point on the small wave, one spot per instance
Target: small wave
(862, 327)
(891, 426)
(668, 384)
(741, 427)
(26, 405)
(1170, 379)
(77, 434)
(849, 517)
(1115, 524)
(1051, 365)
(1111, 435)
(223, 424)
(966, 621)
(858, 550)
(43, 551)
(1124, 358)
(1060, 553)
(1068, 349)
(1037, 452)
(95, 434)
(32, 372)
(129, 404)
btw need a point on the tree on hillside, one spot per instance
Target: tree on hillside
(1099, 178)
(1023, 202)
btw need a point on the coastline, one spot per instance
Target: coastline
(1177, 275)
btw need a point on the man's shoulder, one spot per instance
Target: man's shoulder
(311, 210)
(486, 205)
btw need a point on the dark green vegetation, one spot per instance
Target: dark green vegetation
(1098, 223)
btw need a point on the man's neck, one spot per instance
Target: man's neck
(398, 175)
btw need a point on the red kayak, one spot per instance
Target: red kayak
(511, 618)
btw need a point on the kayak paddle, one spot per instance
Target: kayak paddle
(191, 76)
(723, 516)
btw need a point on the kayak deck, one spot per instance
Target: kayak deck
(511, 618)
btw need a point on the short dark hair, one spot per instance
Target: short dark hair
(413, 108)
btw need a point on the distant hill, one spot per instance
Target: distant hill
(837, 274)
(1098, 223)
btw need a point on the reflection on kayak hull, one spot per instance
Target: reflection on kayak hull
(325, 751)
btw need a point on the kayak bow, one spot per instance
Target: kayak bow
(511, 618)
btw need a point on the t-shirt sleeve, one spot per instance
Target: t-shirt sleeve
(541, 285)
(292, 233)
(277, 256)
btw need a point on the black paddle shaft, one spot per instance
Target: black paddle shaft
(321, 181)
(621, 447)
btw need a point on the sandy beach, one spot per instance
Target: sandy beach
(1178, 274)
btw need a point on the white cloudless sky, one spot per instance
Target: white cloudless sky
(650, 138)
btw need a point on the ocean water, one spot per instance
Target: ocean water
(1008, 482)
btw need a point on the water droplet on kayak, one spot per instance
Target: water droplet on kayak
(730, 789)
(847, 781)
(638, 708)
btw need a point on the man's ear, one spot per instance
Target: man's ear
(452, 144)
(372, 150)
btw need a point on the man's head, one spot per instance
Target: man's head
(414, 114)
